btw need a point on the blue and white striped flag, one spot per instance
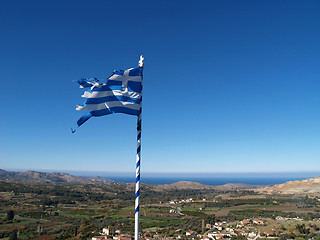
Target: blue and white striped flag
(120, 94)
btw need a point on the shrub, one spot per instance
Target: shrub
(10, 215)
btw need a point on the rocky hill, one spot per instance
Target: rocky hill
(50, 178)
(307, 186)
(35, 177)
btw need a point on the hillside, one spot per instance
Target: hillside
(35, 177)
(183, 185)
(50, 178)
(188, 185)
(307, 186)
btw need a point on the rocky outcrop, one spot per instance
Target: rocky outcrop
(307, 186)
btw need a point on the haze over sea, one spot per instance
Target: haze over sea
(205, 178)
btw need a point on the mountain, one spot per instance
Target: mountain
(35, 177)
(50, 178)
(307, 186)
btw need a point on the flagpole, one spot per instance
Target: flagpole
(137, 191)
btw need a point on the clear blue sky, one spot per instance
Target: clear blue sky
(229, 86)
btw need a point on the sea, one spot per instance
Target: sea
(251, 178)
(210, 178)
(207, 181)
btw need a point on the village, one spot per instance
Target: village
(249, 228)
(32, 211)
(245, 229)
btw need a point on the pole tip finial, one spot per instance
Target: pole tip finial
(141, 61)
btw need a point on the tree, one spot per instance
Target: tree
(10, 215)
(302, 229)
(13, 236)
(211, 218)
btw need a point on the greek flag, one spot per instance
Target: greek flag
(120, 94)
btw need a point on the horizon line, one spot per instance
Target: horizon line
(126, 173)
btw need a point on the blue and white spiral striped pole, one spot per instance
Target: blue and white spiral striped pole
(137, 199)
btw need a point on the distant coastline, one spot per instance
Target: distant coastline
(213, 179)
(216, 181)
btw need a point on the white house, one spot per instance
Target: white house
(191, 233)
(106, 231)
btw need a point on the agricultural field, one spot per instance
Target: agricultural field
(81, 211)
(63, 212)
